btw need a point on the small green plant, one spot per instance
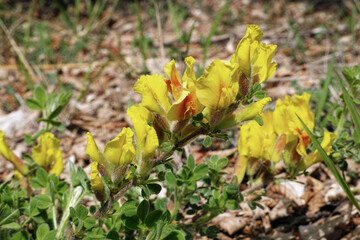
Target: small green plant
(50, 105)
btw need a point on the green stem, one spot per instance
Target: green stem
(341, 122)
(142, 234)
(76, 195)
(54, 216)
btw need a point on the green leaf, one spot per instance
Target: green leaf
(33, 104)
(34, 183)
(7, 215)
(89, 222)
(152, 218)
(12, 226)
(351, 106)
(232, 189)
(332, 167)
(194, 199)
(56, 112)
(42, 230)
(50, 235)
(166, 146)
(259, 120)
(42, 176)
(74, 179)
(256, 87)
(222, 162)
(207, 142)
(191, 162)
(154, 188)
(170, 178)
(200, 171)
(259, 94)
(65, 98)
(129, 208)
(43, 201)
(33, 210)
(142, 210)
(23, 235)
(232, 204)
(175, 235)
(81, 212)
(112, 235)
(132, 222)
(40, 96)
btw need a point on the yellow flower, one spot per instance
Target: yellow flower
(252, 59)
(256, 144)
(6, 152)
(154, 93)
(286, 121)
(120, 151)
(97, 184)
(47, 153)
(217, 89)
(186, 103)
(146, 138)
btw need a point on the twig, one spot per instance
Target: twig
(18, 51)
(159, 28)
(108, 204)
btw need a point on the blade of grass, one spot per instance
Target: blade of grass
(19, 53)
(174, 19)
(325, 89)
(341, 181)
(350, 106)
(213, 29)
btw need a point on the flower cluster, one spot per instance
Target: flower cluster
(176, 109)
(282, 136)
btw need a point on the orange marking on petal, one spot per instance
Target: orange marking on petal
(304, 136)
(168, 85)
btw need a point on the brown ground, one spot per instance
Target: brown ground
(316, 207)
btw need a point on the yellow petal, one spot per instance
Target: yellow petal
(250, 140)
(262, 63)
(151, 143)
(140, 117)
(92, 150)
(216, 89)
(189, 77)
(175, 81)
(154, 93)
(185, 107)
(285, 119)
(47, 146)
(97, 184)
(58, 165)
(120, 151)
(6, 152)
(240, 167)
(245, 49)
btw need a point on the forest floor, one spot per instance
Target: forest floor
(102, 59)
